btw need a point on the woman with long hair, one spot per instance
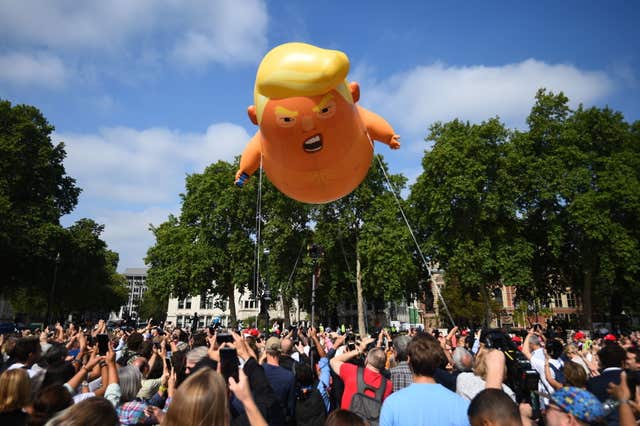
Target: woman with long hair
(200, 400)
(94, 411)
(15, 395)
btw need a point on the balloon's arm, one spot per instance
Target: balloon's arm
(378, 128)
(250, 160)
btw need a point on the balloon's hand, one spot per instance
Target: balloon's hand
(241, 178)
(394, 143)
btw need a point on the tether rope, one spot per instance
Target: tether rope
(406, 221)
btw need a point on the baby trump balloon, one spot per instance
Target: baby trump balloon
(316, 144)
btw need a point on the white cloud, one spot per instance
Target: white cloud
(414, 99)
(70, 24)
(224, 31)
(127, 170)
(125, 165)
(194, 32)
(38, 69)
(127, 232)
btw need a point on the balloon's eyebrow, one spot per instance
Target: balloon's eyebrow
(323, 103)
(282, 111)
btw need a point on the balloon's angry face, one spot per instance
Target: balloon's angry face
(310, 130)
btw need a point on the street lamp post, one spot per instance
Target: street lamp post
(266, 293)
(53, 289)
(315, 251)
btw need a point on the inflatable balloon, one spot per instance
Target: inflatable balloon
(316, 144)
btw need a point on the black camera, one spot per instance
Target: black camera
(521, 377)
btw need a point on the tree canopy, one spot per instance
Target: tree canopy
(35, 250)
(546, 209)
(209, 248)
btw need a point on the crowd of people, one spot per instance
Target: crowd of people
(303, 376)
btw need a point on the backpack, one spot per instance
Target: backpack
(310, 409)
(558, 373)
(365, 406)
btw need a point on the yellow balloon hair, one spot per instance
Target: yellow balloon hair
(300, 69)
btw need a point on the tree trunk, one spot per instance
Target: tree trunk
(286, 308)
(586, 299)
(232, 306)
(361, 325)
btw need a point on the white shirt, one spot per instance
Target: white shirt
(539, 366)
(33, 371)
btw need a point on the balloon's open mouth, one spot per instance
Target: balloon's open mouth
(313, 144)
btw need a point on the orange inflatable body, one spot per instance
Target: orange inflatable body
(316, 144)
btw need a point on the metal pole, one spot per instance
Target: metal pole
(53, 289)
(266, 293)
(313, 295)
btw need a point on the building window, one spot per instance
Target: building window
(179, 321)
(206, 301)
(249, 304)
(180, 303)
(221, 304)
(571, 300)
(557, 300)
(187, 303)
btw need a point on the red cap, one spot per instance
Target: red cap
(610, 337)
(464, 333)
(516, 339)
(579, 335)
(254, 332)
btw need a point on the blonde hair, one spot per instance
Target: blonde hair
(15, 389)
(571, 349)
(200, 400)
(480, 364)
(300, 69)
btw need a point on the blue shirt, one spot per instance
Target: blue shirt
(424, 404)
(325, 381)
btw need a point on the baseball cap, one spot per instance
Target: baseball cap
(610, 337)
(579, 335)
(582, 404)
(273, 344)
(516, 339)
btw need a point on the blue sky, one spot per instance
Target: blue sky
(144, 92)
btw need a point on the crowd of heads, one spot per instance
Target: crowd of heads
(296, 375)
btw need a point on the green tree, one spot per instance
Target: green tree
(286, 235)
(34, 193)
(86, 278)
(41, 259)
(367, 246)
(580, 200)
(154, 305)
(464, 209)
(210, 247)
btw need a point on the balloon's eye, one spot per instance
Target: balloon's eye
(327, 110)
(285, 121)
